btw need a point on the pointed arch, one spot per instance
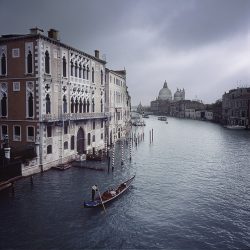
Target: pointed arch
(29, 63)
(65, 109)
(30, 105)
(80, 141)
(72, 105)
(64, 67)
(47, 62)
(48, 104)
(3, 64)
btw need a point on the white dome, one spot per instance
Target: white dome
(165, 93)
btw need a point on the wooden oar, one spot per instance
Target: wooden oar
(101, 201)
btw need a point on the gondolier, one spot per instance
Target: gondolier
(94, 189)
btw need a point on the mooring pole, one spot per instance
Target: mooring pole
(113, 158)
(122, 153)
(152, 135)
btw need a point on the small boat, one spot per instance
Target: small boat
(145, 116)
(235, 127)
(109, 195)
(162, 118)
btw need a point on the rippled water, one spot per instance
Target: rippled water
(192, 191)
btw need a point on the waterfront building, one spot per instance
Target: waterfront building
(118, 103)
(236, 107)
(52, 99)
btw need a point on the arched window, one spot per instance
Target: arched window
(72, 105)
(87, 72)
(4, 105)
(88, 106)
(3, 64)
(64, 104)
(47, 62)
(49, 149)
(93, 105)
(71, 68)
(76, 68)
(64, 67)
(65, 145)
(84, 105)
(80, 106)
(101, 105)
(93, 75)
(48, 104)
(30, 105)
(80, 70)
(83, 72)
(101, 77)
(72, 142)
(76, 106)
(29, 62)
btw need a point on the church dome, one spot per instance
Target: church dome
(165, 93)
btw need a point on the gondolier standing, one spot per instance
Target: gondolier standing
(94, 189)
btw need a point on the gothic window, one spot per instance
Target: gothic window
(88, 106)
(101, 77)
(64, 67)
(48, 104)
(4, 105)
(49, 149)
(76, 67)
(87, 72)
(93, 125)
(84, 105)
(64, 104)
(93, 75)
(102, 124)
(72, 105)
(65, 145)
(3, 64)
(30, 105)
(76, 106)
(89, 138)
(93, 105)
(17, 133)
(71, 68)
(47, 62)
(29, 62)
(49, 131)
(80, 70)
(101, 105)
(83, 72)
(72, 142)
(80, 106)
(65, 129)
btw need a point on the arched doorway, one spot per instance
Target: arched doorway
(80, 141)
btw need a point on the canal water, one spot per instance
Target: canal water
(191, 191)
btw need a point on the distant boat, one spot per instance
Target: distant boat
(162, 118)
(145, 116)
(109, 195)
(236, 127)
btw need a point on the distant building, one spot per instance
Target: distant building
(236, 107)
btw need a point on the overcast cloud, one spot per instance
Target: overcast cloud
(200, 45)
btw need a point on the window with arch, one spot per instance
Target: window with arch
(29, 63)
(83, 72)
(84, 105)
(64, 67)
(71, 68)
(76, 106)
(101, 77)
(72, 105)
(93, 105)
(72, 142)
(80, 106)
(80, 70)
(88, 106)
(101, 106)
(4, 105)
(48, 104)
(64, 104)
(49, 149)
(65, 145)
(47, 62)
(87, 72)
(30, 106)
(3, 64)
(89, 139)
(76, 68)
(93, 75)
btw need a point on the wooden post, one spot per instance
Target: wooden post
(122, 153)
(152, 135)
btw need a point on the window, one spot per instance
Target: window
(3, 64)
(17, 133)
(49, 149)
(93, 75)
(101, 136)
(102, 124)
(93, 138)
(80, 70)
(47, 62)
(93, 105)
(72, 142)
(88, 106)
(15, 52)
(4, 131)
(49, 131)
(80, 106)
(101, 77)
(76, 68)
(87, 72)
(64, 104)
(30, 133)
(29, 63)
(65, 129)
(16, 86)
(84, 105)
(83, 72)
(65, 145)
(76, 106)
(64, 67)
(89, 138)
(101, 105)
(30, 106)
(4, 105)
(71, 68)
(93, 125)
(72, 105)
(48, 104)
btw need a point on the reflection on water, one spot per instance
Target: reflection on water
(191, 191)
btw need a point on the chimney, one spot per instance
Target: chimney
(53, 34)
(97, 53)
(35, 31)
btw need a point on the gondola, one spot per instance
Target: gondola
(109, 195)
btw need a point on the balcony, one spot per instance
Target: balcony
(74, 116)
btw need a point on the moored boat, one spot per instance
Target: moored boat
(235, 127)
(162, 118)
(109, 195)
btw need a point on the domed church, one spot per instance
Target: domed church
(165, 93)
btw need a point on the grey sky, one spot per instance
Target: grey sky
(200, 45)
